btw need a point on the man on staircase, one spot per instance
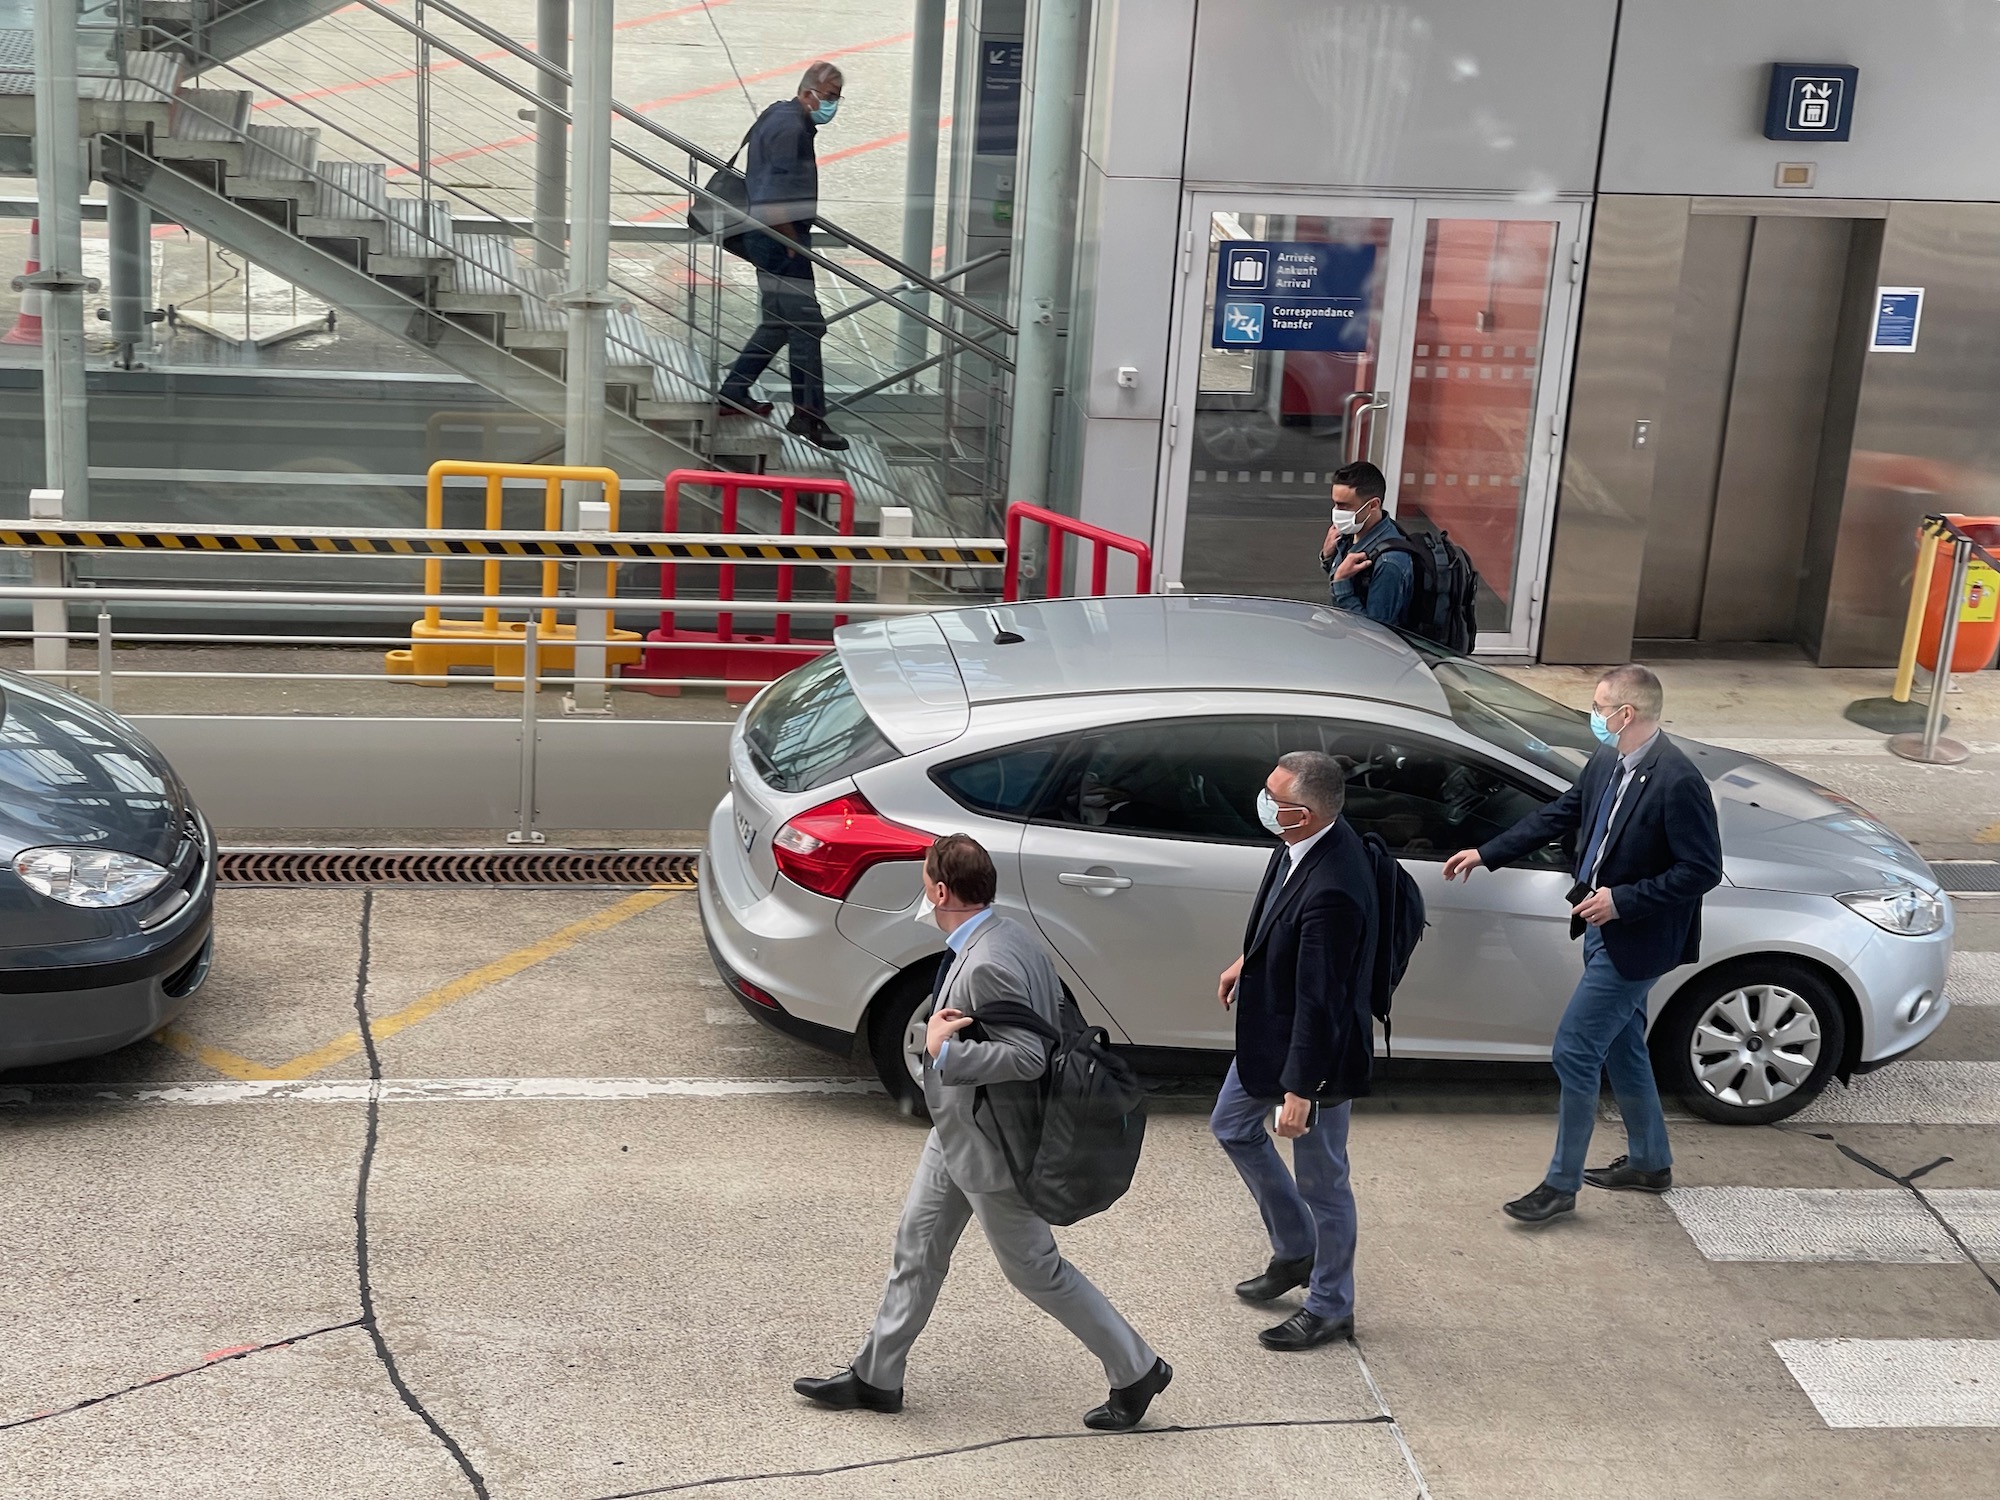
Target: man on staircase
(783, 177)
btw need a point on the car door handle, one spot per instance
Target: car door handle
(1096, 884)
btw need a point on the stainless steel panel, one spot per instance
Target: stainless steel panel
(1812, 208)
(1621, 376)
(299, 772)
(1693, 419)
(1925, 437)
(1777, 404)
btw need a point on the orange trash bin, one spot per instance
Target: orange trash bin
(1978, 611)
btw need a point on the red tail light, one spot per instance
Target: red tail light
(827, 849)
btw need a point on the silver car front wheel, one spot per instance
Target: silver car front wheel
(1755, 1045)
(1751, 1044)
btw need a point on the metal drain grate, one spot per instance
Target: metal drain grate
(491, 867)
(1967, 876)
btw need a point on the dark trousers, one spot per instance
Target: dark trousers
(793, 320)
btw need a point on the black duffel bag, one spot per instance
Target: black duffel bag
(723, 205)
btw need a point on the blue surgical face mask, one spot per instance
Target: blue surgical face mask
(824, 111)
(1601, 729)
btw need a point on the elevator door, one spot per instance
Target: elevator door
(1739, 433)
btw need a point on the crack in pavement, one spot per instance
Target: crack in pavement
(368, 1319)
(1383, 1420)
(1908, 1181)
(208, 1362)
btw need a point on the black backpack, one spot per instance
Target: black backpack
(1445, 596)
(1072, 1136)
(724, 203)
(1399, 926)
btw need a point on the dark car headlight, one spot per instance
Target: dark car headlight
(1904, 909)
(89, 877)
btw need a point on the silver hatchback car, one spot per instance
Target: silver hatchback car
(1109, 752)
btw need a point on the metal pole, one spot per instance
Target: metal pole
(423, 102)
(1041, 244)
(59, 188)
(920, 168)
(530, 691)
(590, 248)
(103, 657)
(593, 626)
(128, 223)
(50, 617)
(551, 134)
(1931, 747)
(892, 585)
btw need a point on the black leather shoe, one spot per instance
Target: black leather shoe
(1306, 1330)
(848, 1391)
(1621, 1175)
(742, 406)
(1128, 1403)
(815, 431)
(1280, 1277)
(1540, 1206)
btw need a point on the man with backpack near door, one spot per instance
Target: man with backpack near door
(1425, 584)
(1305, 994)
(968, 1169)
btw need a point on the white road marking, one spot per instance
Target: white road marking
(1898, 1382)
(1975, 1214)
(1776, 749)
(1974, 979)
(1815, 1224)
(428, 1090)
(1913, 1093)
(728, 1015)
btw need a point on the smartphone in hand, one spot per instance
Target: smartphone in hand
(1312, 1116)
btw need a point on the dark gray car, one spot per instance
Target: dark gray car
(107, 880)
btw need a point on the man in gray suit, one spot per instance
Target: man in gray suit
(963, 1173)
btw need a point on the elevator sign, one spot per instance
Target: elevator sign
(1292, 294)
(1810, 102)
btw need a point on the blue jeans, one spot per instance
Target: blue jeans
(1312, 1216)
(1603, 1034)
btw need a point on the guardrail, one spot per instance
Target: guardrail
(1103, 543)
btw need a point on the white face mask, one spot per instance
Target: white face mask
(927, 913)
(1346, 522)
(1269, 814)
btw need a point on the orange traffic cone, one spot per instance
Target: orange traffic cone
(27, 327)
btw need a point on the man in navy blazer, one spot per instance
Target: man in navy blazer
(1305, 1041)
(1648, 850)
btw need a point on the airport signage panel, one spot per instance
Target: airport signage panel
(1292, 294)
(1810, 102)
(1898, 311)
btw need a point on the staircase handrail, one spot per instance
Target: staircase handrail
(673, 138)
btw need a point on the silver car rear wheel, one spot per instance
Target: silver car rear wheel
(1752, 1042)
(1756, 1045)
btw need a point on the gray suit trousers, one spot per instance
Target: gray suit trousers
(934, 1216)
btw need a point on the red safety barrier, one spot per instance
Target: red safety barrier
(1103, 544)
(721, 653)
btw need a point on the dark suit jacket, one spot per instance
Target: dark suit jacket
(1662, 854)
(782, 174)
(1302, 1019)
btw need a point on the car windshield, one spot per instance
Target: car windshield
(1502, 712)
(809, 728)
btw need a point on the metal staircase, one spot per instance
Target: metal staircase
(173, 117)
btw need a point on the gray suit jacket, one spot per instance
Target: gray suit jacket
(1003, 961)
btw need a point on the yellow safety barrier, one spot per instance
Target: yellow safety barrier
(439, 644)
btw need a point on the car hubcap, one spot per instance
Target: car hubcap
(913, 1046)
(1755, 1045)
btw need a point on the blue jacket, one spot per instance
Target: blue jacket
(1302, 1020)
(783, 177)
(1662, 854)
(1382, 590)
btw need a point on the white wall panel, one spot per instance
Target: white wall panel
(1128, 257)
(1687, 107)
(1467, 95)
(1140, 55)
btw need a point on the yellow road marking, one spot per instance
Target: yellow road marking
(1990, 834)
(243, 1069)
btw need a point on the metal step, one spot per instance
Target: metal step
(349, 201)
(419, 239)
(278, 163)
(485, 276)
(206, 125)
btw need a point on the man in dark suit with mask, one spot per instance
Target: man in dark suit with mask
(1305, 1042)
(1648, 850)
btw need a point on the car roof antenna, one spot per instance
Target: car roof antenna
(1001, 635)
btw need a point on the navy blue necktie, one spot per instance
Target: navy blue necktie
(1600, 821)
